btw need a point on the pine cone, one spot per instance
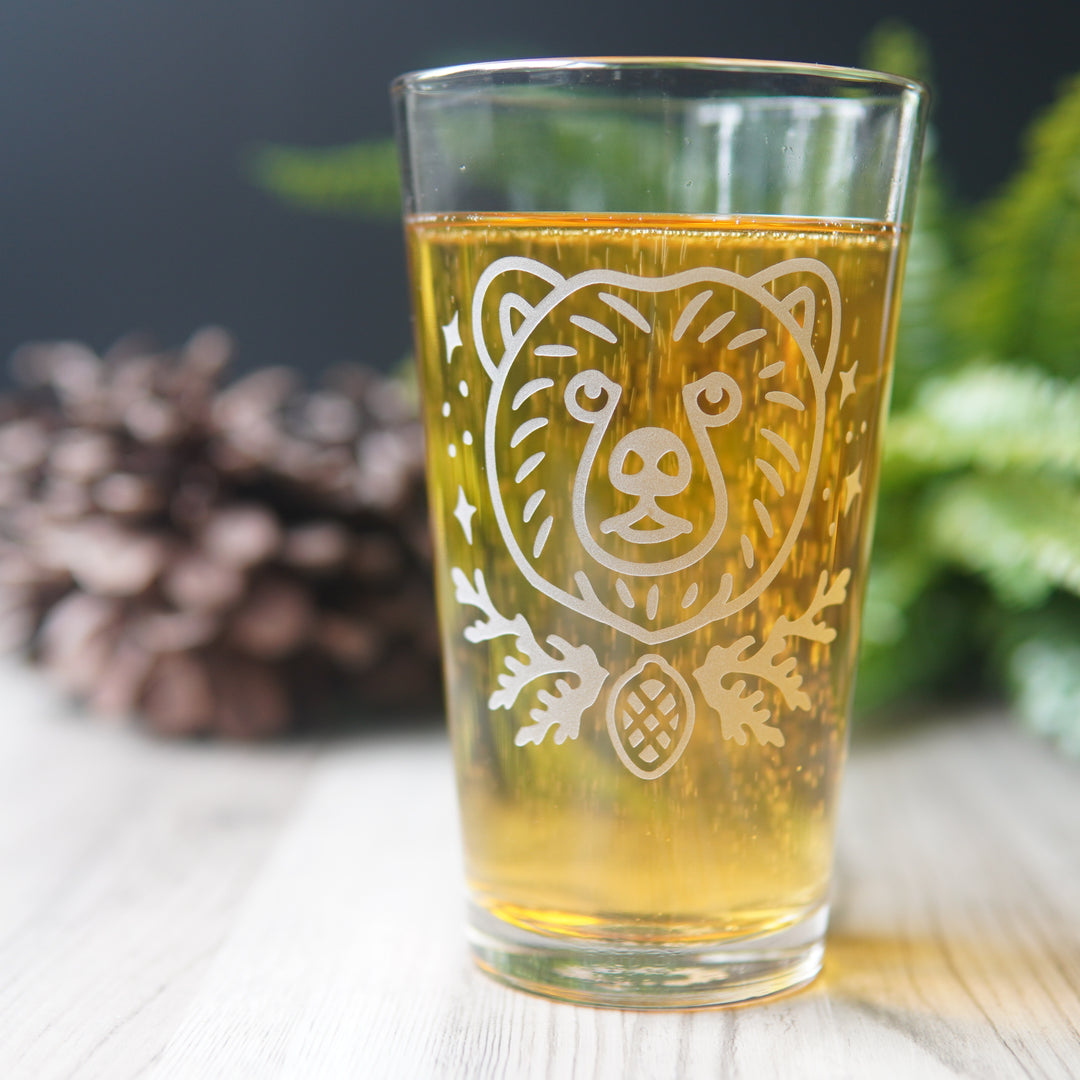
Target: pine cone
(217, 560)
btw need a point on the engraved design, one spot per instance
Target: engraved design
(559, 712)
(847, 383)
(452, 336)
(650, 716)
(651, 445)
(613, 514)
(852, 487)
(741, 710)
(647, 484)
(464, 513)
(566, 451)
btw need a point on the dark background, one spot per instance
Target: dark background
(124, 125)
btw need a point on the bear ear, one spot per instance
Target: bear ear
(802, 303)
(497, 316)
(808, 303)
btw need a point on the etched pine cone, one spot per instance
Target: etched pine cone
(230, 560)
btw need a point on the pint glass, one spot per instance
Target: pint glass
(654, 305)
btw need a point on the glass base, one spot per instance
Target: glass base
(635, 976)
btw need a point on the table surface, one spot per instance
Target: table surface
(295, 911)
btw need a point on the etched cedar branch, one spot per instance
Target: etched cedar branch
(739, 709)
(561, 710)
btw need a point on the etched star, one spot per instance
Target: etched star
(464, 513)
(452, 336)
(847, 383)
(852, 486)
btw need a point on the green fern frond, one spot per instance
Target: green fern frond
(359, 179)
(1023, 299)
(1021, 533)
(990, 418)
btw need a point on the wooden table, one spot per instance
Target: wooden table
(294, 911)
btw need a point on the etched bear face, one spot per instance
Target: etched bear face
(652, 443)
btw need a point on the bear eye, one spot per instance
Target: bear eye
(715, 399)
(586, 388)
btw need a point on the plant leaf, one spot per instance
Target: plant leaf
(359, 179)
(1020, 533)
(991, 418)
(1023, 300)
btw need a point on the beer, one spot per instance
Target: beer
(653, 446)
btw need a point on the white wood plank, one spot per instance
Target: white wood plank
(203, 911)
(352, 930)
(121, 860)
(348, 958)
(951, 927)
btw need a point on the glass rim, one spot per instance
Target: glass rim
(427, 79)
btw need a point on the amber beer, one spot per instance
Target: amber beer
(653, 447)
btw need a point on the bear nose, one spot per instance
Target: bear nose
(645, 449)
(637, 463)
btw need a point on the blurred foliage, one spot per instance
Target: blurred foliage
(360, 179)
(1021, 298)
(976, 578)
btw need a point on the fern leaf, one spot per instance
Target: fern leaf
(991, 418)
(360, 179)
(1023, 300)
(1021, 533)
